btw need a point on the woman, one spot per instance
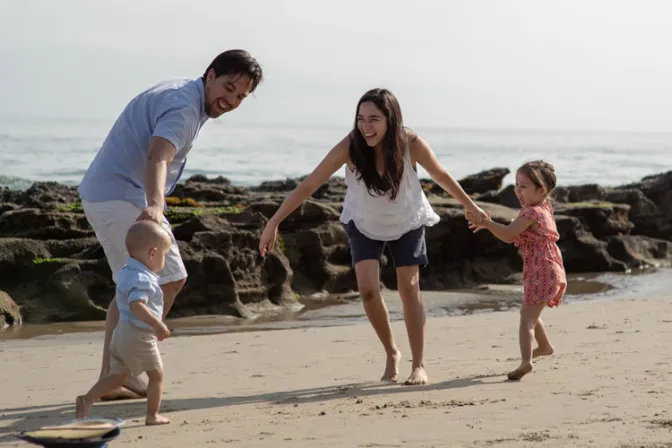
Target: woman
(384, 205)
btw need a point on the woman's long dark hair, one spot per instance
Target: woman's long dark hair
(394, 144)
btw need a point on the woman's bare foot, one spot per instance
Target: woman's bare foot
(543, 351)
(520, 372)
(392, 367)
(82, 407)
(157, 419)
(418, 376)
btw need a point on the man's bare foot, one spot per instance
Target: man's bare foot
(520, 372)
(392, 367)
(136, 385)
(121, 393)
(82, 407)
(542, 351)
(156, 420)
(418, 376)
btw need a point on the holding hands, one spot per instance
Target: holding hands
(478, 218)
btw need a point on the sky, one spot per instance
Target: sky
(515, 64)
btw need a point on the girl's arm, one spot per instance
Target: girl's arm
(423, 154)
(334, 160)
(504, 232)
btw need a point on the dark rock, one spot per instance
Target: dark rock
(320, 258)
(332, 190)
(210, 191)
(640, 251)
(18, 254)
(201, 223)
(490, 180)
(485, 181)
(658, 189)
(579, 193)
(54, 269)
(48, 195)
(277, 185)
(10, 313)
(581, 251)
(226, 271)
(8, 206)
(458, 258)
(506, 197)
(43, 224)
(203, 179)
(644, 214)
(602, 219)
(309, 214)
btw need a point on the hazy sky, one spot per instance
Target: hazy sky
(564, 64)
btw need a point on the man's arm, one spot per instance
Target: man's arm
(161, 153)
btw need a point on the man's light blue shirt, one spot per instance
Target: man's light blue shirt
(137, 282)
(174, 110)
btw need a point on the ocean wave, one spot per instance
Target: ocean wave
(15, 183)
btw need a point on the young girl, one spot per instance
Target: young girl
(535, 233)
(384, 206)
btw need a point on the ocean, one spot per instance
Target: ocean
(60, 150)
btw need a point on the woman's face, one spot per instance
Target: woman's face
(372, 123)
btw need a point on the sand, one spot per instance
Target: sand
(607, 385)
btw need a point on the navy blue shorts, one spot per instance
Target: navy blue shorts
(409, 250)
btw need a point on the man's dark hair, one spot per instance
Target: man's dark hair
(236, 62)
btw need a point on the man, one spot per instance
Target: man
(141, 161)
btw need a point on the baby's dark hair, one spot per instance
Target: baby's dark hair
(542, 174)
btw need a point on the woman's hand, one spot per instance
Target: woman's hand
(476, 215)
(268, 238)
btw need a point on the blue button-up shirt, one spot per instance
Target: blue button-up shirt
(137, 282)
(174, 110)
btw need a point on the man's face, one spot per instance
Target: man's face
(225, 93)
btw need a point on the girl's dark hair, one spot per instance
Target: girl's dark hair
(394, 144)
(542, 174)
(236, 62)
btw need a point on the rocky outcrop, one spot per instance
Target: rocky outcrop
(53, 267)
(483, 182)
(10, 314)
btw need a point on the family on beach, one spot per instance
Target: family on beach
(143, 157)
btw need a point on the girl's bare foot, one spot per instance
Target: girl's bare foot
(418, 376)
(157, 419)
(543, 351)
(82, 407)
(392, 367)
(520, 372)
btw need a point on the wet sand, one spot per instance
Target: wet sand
(325, 311)
(607, 385)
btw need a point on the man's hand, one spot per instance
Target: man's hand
(152, 213)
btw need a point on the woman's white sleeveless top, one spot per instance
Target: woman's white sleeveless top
(379, 217)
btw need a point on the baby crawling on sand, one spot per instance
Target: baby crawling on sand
(133, 348)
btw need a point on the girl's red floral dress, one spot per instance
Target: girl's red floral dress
(544, 277)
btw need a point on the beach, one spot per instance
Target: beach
(606, 385)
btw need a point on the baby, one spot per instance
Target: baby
(133, 348)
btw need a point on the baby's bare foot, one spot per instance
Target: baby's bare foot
(520, 372)
(392, 367)
(82, 407)
(157, 419)
(418, 376)
(543, 351)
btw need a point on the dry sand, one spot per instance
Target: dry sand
(607, 385)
